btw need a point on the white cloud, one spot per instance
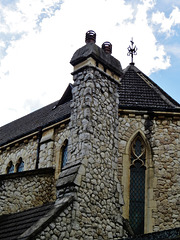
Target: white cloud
(2, 44)
(174, 49)
(36, 69)
(24, 16)
(151, 56)
(167, 23)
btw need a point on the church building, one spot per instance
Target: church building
(100, 163)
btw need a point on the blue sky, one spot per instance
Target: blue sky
(39, 37)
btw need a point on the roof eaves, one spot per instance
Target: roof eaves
(34, 129)
(152, 109)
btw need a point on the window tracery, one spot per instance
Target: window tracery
(137, 157)
(137, 186)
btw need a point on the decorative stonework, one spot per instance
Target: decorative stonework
(163, 186)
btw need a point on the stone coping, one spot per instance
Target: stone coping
(40, 171)
(94, 51)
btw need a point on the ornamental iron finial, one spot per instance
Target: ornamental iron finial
(132, 50)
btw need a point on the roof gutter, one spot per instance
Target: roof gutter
(141, 112)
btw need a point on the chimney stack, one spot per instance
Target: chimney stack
(90, 37)
(107, 47)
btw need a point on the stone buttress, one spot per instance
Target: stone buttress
(93, 145)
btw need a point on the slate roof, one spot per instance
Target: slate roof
(47, 218)
(137, 91)
(36, 120)
(27, 224)
(13, 225)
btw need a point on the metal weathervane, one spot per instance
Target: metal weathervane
(132, 50)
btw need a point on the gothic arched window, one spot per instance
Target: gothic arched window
(10, 168)
(137, 186)
(20, 165)
(64, 154)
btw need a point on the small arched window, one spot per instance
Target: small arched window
(137, 186)
(20, 165)
(10, 168)
(64, 154)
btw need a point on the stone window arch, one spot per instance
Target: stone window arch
(137, 182)
(62, 158)
(10, 168)
(137, 185)
(64, 153)
(20, 165)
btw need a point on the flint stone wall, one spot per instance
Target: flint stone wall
(61, 228)
(21, 191)
(96, 212)
(94, 141)
(163, 136)
(50, 146)
(27, 151)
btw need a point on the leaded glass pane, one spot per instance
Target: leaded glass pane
(137, 195)
(21, 167)
(138, 149)
(10, 169)
(64, 155)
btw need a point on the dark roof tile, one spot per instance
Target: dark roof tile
(14, 225)
(138, 91)
(34, 121)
